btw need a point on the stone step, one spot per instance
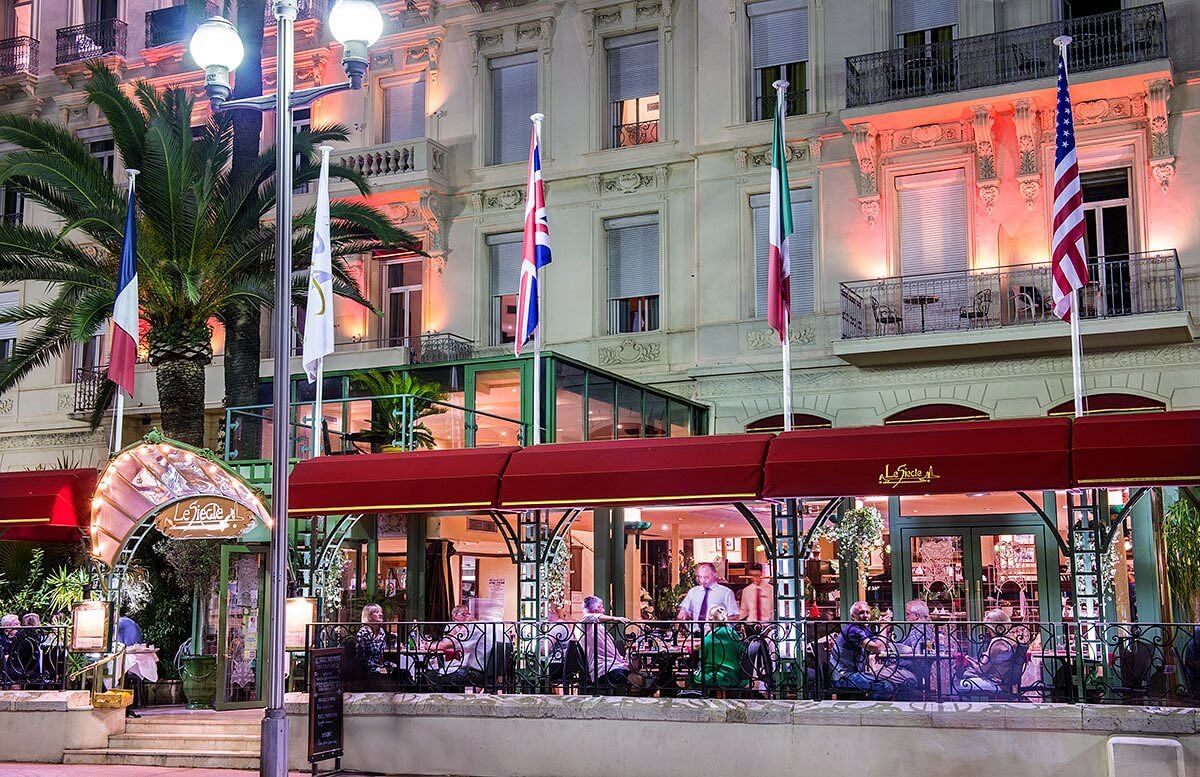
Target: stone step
(240, 743)
(187, 725)
(184, 759)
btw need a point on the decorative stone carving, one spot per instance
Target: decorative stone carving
(608, 16)
(866, 150)
(433, 210)
(1028, 160)
(428, 52)
(1162, 158)
(630, 181)
(66, 401)
(52, 440)
(760, 156)
(525, 35)
(1030, 188)
(761, 339)
(499, 199)
(987, 181)
(6, 405)
(630, 351)
(923, 136)
(869, 207)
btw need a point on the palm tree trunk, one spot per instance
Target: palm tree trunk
(181, 394)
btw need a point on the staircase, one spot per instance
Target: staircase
(181, 739)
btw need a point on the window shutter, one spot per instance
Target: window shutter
(404, 111)
(912, 15)
(801, 250)
(504, 251)
(933, 222)
(8, 301)
(632, 66)
(632, 257)
(514, 100)
(778, 33)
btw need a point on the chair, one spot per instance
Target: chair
(1139, 668)
(1028, 300)
(885, 316)
(979, 309)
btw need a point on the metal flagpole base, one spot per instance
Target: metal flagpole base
(274, 733)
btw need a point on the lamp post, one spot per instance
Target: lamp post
(215, 46)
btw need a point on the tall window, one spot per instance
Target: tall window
(8, 331)
(1107, 217)
(89, 354)
(105, 152)
(801, 245)
(923, 22)
(1073, 9)
(18, 22)
(12, 205)
(778, 49)
(504, 257)
(514, 100)
(99, 10)
(404, 110)
(633, 283)
(933, 292)
(402, 319)
(633, 102)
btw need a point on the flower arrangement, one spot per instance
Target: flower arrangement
(858, 532)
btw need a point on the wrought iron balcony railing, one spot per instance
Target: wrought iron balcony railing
(635, 134)
(175, 24)
(1121, 285)
(91, 40)
(1100, 41)
(88, 381)
(19, 55)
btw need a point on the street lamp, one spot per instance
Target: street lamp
(215, 46)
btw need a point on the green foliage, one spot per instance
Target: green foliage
(406, 400)
(666, 604)
(29, 594)
(192, 564)
(35, 581)
(327, 585)
(1181, 539)
(858, 532)
(555, 572)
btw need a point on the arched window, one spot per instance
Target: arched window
(935, 412)
(774, 423)
(1103, 404)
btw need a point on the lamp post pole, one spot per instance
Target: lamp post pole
(216, 47)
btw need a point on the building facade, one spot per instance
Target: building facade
(920, 148)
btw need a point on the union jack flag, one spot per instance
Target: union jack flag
(535, 249)
(1068, 265)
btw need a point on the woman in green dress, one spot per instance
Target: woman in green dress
(722, 656)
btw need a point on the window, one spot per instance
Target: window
(19, 21)
(933, 222)
(99, 10)
(514, 100)
(402, 318)
(88, 354)
(105, 152)
(12, 205)
(633, 89)
(1107, 218)
(404, 110)
(778, 49)
(1073, 9)
(632, 274)
(504, 257)
(924, 22)
(801, 251)
(9, 300)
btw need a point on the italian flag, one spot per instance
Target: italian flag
(779, 265)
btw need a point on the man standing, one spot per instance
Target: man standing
(757, 598)
(706, 594)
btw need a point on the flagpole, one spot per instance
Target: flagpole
(318, 419)
(1062, 41)
(537, 120)
(119, 409)
(781, 111)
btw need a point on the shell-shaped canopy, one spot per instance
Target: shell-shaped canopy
(156, 473)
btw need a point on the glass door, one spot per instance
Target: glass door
(1106, 213)
(937, 573)
(497, 396)
(240, 656)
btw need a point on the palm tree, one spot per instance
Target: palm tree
(203, 242)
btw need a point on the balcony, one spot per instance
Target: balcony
(91, 40)
(1133, 299)
(1101, 41)
(176, 23)
(400, 163)
(19, 56)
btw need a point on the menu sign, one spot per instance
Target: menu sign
(325, 719)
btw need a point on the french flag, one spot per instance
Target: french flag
(123, 355)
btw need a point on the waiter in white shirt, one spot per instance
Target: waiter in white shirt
(758, 597)
(707, 594)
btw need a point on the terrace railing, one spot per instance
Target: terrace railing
(19, 55)
(429, 348)
(419, 157)
(88, 381)
(1023, 662)
(33, 658)
(176, 23)
(91, 40)
(1121, 285)
(1105, 40)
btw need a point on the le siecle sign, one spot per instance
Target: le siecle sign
(204, 517)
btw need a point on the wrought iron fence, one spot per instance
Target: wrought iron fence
(176, 23)
(1141, 663)
(429, 348)
(33, 658)
(1121, 285)
(19, 55)
(91, 40)
(88, 381)
(635, 134)
(1099, 41)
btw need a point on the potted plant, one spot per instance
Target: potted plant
(1181, 540)
(195, 564)
(858, 532)
(396, 416)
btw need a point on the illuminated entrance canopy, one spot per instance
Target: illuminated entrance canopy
(186, 491)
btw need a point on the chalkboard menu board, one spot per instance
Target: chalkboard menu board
(325, 718)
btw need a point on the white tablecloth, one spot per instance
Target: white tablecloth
(141, 661)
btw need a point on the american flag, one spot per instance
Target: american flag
(535, 249)
(1068, 265)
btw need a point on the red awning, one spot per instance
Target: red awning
(419, 481)
(689, 470)
(1150, 449)
(46, 505)
(945, 458)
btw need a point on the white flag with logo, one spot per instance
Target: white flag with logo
(318, 311)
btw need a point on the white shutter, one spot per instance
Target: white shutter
(933, 222)
(778, 33)
(632, 66)
(404, 111)
(913, 15)
(632, 257)
(9, 300)
(514, 100)
(803, 274)
(504, 253)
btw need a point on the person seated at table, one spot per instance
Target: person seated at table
(607, 669)
(723, 659)
(1000, 664)
(371, 643)
(466, 647)
(11, 671)
(706, 594)
(128, 631)
(860, 658)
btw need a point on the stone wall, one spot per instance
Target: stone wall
(564, 736)
(39, 725)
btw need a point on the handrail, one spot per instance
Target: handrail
(95, 669)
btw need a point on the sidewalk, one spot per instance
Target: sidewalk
(89, 770)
